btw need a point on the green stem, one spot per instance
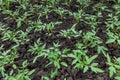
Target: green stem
(7, 4)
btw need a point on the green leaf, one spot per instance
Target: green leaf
(117, 66)
(112, 70)
(118, 42)
(18, 24)
(20, 76)
(74, 61)
(108, 58)
(96, 70)
(92, 58)
(85, 69)
(2, 71)
(48, 64)
(45, 78)
(71, 55)
(78, 65)
(117, 77)
(11, 72)
(54, 73)
(27, 78)
(36, 58)
(101, 49)
(64, 64)
(94, 64)
(25, 63)
(31, 72)
(14, 66)
(110, 41)
(56, 64)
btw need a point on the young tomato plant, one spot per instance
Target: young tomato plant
(23, 19)
(90, 39)
(50, 26)
(114, 67)
(101, 49)
(19, 37)
(113, 38)
(54, 55)
(69, 33)
(61, 12)
(7, 58)
(45, 12)
(83, 4)
(112, 23)
(82, 61)
(5, 3)
(117, 9)
(99, 8)
(8, 35)
(13, 14)
(92, 21)
(23, 4)
(68, 3)
(2, 28)
(78, 16)
(22, 72)
(22, 37)
(38, 49)
(37, 26)
(53, 3)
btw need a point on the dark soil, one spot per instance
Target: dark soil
(69, 72)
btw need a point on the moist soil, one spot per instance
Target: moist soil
(69, 72)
